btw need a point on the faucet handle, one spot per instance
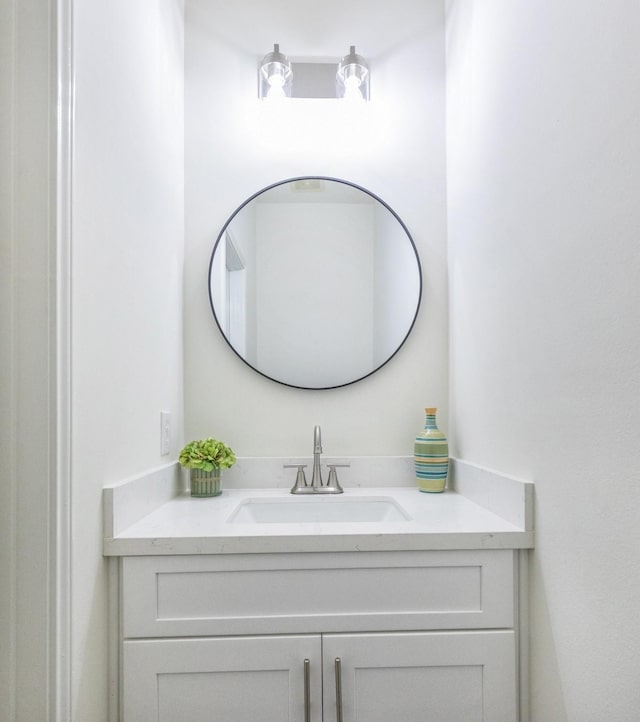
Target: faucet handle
(301, 480)
(332, 482)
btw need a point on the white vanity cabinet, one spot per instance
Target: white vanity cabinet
(420, 636)
(387, 677)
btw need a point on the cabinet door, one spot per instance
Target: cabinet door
(235, 679)
(421, 677)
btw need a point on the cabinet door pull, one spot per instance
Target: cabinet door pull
(307, 691)
(338, 673)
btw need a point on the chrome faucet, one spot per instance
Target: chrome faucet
(316, 476)
(316, 487)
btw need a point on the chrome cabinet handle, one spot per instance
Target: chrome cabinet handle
(307, 691)
(338, 673)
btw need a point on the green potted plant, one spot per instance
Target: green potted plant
(205, 458)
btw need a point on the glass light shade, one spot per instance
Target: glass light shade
(275, 76)
(352, 78)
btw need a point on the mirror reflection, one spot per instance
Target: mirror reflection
(315, 282)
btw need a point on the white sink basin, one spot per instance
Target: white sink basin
(318, 509)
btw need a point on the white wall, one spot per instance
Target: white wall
(544, 171)
(236, 145)
(127, 283)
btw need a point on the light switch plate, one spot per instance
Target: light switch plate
(165, 433)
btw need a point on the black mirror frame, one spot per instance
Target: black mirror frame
(221, 235)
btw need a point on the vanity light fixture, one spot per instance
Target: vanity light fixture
(275, 75)
(352, 78)
(279, 78)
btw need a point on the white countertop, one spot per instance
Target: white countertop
(186, 525)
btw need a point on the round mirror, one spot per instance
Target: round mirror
(315, 282)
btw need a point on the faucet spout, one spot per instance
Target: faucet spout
(316, 477)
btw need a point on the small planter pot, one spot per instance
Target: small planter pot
(205, 483)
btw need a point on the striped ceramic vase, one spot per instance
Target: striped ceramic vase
(431, 456)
